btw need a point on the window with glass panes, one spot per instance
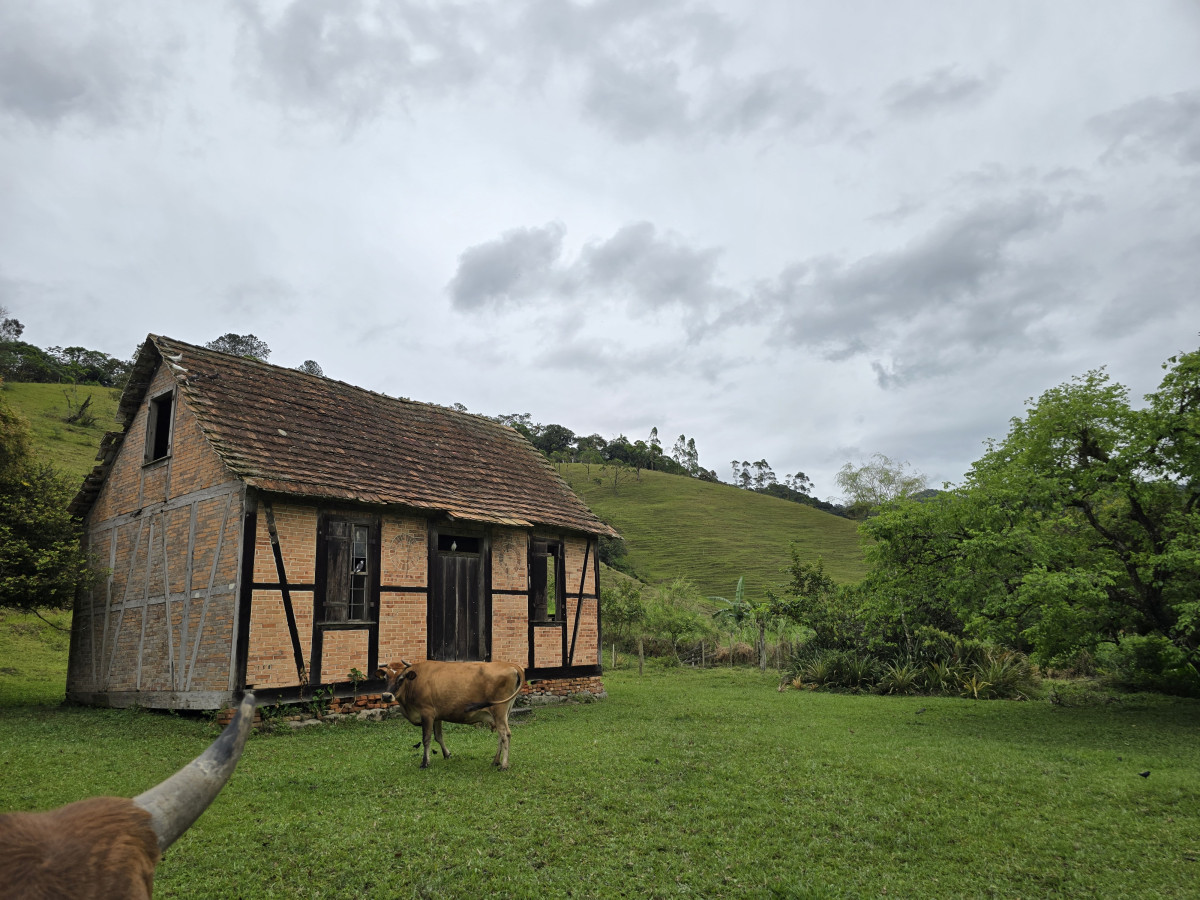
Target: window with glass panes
(347, 571)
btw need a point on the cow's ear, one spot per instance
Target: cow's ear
(382, 672)
(410, 675)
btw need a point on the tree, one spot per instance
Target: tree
(241, 345)
(655, 448)
(624, 611)
(590, 457)
(878, 481)
(812, 599)
(313, 368)
(617, 471)
(674, 616)
(42, 565)
(521, 422)
(764, 476)
(692, 458)
(10, 328)
(551, 439)
(1081, 527)
(591, 442)
(800, 483)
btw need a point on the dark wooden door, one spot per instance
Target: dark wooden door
(457, 615)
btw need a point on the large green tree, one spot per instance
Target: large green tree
(1081, 527)
(41, 563)
(877, 481)
(241, 345)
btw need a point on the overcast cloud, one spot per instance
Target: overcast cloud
(805, 232)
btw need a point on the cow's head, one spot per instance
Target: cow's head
(396, 674)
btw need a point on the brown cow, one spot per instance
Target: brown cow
(469, 693)
(107, 847)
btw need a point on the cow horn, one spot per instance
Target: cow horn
(178, 802)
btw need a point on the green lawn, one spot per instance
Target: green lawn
(715, 533)
(70, 448)
(33, 657)
(684, 782)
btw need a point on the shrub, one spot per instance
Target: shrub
(899, 678)
(1008, 674)
(940, 677)
(1150, 663)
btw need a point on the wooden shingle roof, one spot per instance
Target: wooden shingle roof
(286, 432)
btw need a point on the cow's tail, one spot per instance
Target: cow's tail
(520, 684)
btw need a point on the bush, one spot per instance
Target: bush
(1150, 663)
(1008, 674)
(899, 678)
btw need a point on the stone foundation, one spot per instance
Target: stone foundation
(560, 690)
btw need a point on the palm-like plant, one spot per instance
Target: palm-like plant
(733, 615)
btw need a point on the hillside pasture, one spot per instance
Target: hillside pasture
(69, 448)
(715, 533)
(684, 782)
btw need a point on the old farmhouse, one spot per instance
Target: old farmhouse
(263, 528)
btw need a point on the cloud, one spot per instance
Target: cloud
(353, 59)
(651, 270)
(262, 296)
(1154, 125)
(638, 70)
(940, 90)
(59, 65)
(520, 265)
(646, 270)
(962, 288)
(642, 100)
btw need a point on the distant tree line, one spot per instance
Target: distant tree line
(561, 444)
(21, 361)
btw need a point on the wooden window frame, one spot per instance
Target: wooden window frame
(373, 560)
(154, 427)
(554, 550)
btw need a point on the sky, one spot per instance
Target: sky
(800, 232)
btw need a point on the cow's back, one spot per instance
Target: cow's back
(463, 691)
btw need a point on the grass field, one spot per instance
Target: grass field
(683, 782)
(70, 448)
(715, 533)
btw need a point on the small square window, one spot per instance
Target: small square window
(158, 427)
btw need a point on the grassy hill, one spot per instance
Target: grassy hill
(715, 533)
(70, 448)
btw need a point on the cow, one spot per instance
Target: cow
(432, 692)
(108, 847)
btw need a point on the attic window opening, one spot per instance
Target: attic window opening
(457, 543)
(158, 427)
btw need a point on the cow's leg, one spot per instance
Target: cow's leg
(437, 733)
(426, 734)
(502, 730)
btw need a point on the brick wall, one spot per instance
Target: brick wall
(160, 623)
(405, 563)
